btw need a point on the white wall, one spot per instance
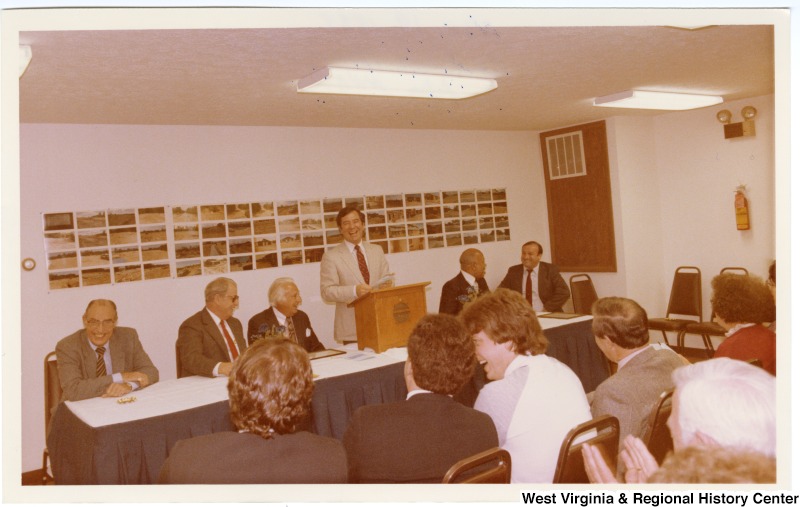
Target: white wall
(88, 167)
(672, 179)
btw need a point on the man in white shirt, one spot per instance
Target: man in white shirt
(540, 282)
(284, 317)
(211, 339)
(535, 399)
(350, 270)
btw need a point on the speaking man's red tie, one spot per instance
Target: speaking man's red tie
(362, 264)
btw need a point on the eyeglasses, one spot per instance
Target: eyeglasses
(234, 299)
(94, 323)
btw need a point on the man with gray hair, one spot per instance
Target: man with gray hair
(210, 340)
(102, 359)
(716, 403)
(284, 318)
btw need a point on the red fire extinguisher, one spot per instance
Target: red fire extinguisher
(742, 211)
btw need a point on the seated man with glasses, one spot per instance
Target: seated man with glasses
(102, 359)
(210, 340)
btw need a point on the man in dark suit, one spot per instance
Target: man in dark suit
(102, 359)
(468, 285)
(211, 339)
(540, 282)
(419, 439)
(643, 373)
(283, 317)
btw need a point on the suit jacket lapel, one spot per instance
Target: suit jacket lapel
(89, 357)
(213, 330)
(350, 261)
(117, 353)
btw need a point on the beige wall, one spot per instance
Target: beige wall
(672, 181)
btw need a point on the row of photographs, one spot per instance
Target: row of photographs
(471, 201)
(234, 261)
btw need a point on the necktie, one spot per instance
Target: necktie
(101, 362)
(529, 288)
(231, 345)
(290, 328)
(362, 264)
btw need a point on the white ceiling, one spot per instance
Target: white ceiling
(547, 76)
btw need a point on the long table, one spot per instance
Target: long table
(100, 441)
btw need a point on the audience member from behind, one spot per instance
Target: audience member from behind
(741, 304)
(270, 390)
(539, 282)
(717, 403)
(535, 399)
(718, 465)
(102, 359)
(210, 340)
(467, 286)
(643, 372)
(419, 439)
(284, 317)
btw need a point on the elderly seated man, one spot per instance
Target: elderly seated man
(717, 403)
(102, 359)
(284, 317)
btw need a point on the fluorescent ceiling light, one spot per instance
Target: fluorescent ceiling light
(638, 99)
(384, 83)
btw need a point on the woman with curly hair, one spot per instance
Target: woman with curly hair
(741, 304)
(269, 390)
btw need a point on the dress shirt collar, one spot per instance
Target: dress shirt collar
(281, 318)
(469, 278)
(416, 392)
(94, 347)
(738, 327)
(352, 247)
(214, 316)
(630, 356)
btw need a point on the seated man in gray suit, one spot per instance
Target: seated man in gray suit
(643, 372)
(467, 285)
(102, 359)
(540, 282)
(210, 340)
(284, 317)
(419, 439)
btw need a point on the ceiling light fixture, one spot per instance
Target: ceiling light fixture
(640, 99)
(338, 80)
(25, 55)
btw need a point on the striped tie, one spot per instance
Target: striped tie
(231, 346)
(101, 362)
(362, 264)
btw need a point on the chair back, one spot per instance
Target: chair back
(686, 297)
(177, 362)
(602, 432)
(658, 438)
(52, 388)
(734, 270)
(756, 362)
(583, 293)
(498, 473)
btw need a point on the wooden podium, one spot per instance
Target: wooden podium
(385, 317)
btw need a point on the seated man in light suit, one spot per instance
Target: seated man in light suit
(346, 272)
(467, 285)
(546, 291)
(643, 373)
(102, 359)
(419, 439)
(284, 317)
(204, 346)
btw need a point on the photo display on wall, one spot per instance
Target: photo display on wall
(86, 248)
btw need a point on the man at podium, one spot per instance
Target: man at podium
(350, 270)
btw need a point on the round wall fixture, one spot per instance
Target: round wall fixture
(28, 264)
